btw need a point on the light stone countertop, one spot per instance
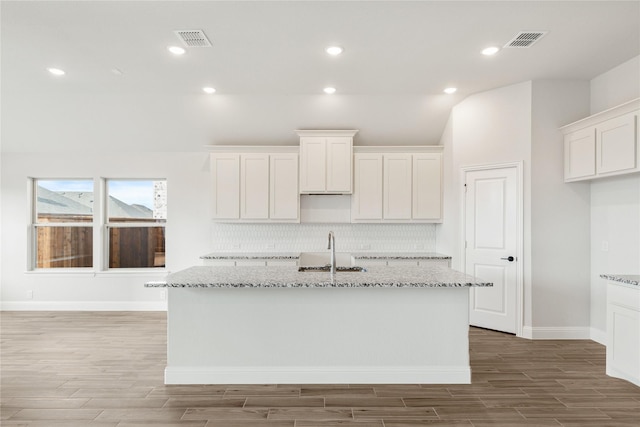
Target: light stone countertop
(252, 255)
(296, 255)
(290, 277)
(629, 279)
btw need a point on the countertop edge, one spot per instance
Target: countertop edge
(629, 279)
(157, 284)
(296, 255)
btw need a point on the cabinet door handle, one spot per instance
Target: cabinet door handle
(509, 258)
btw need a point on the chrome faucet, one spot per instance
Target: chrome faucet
(332, 246)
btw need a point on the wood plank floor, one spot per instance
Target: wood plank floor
(106, 369)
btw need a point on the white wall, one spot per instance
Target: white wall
(616, 86)
(615, 201)
(519, 123)
(487, 128)
(187, 177)
(229, 237)
(615, 219)
(559, 215)
(190, 232)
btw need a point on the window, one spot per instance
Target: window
(63, 223)
(136, 219)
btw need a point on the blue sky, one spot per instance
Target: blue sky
(131, 192)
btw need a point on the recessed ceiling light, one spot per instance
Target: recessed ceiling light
(56, 71)
(334, 50)
(176, 50)
(329, 90)
(490, 51)
(450, 90)
(209, 90)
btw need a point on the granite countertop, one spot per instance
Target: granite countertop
(290, 277)
(629, 279)
(296, 255)
(252, 255)
(399, 255)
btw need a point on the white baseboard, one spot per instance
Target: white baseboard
(83, 306)
(318, 375)
(613, 372)
(599, 336)
(557, 333)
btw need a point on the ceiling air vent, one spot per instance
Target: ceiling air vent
(525, 39)
(193, 38)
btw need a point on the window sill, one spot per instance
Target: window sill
(91, 273)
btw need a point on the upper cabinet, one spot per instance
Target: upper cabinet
(326, 161)
(255, 186)
(397, 184)
(604, 144)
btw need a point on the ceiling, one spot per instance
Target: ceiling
(269, 67)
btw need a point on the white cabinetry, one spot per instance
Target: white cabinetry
(398, 262)
(427, 186)
(255, 186)
(602, 145)
(326, 161)
(580, 154)
(399, 186)
(396, 192)
(366, 201)
(623, 332)
(616, 145)
(250, 262)
(225, 172)
(284, 200)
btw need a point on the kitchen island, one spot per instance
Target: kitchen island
(259, 325)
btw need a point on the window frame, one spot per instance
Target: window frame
(100, 232)
(107, 225)
(32, 246)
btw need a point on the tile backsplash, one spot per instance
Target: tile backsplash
(313, 237)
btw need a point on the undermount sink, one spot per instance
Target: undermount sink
(320, 259)
(352, 268)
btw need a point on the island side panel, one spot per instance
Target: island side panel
(317, 335)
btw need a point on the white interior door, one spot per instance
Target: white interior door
(491, 227)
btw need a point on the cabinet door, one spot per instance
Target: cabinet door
(616, 144)
(219, 262)
(250, 263)
(284, 199)
(397, 191)
(402, 262)
(427, 186)
(254, 186)
(313, 158)
(366, 202)
(339, 161)
(434, 262)
(580, 154)
(282, 263)
(225, 171)
(371, 262)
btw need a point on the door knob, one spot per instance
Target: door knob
(510, 258)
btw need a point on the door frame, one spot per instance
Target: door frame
(519, 166)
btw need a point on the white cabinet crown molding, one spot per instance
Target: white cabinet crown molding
(627, 107)
(253, 148)
(331, 132)
(398, 148)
